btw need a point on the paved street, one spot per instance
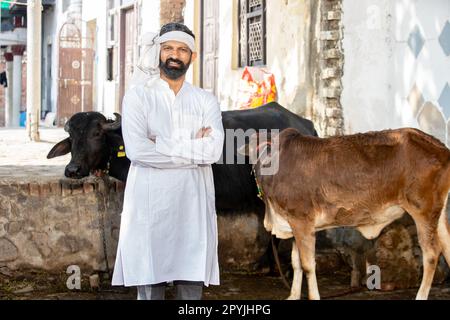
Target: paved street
(21, 158)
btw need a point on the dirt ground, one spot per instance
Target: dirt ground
(234, 286)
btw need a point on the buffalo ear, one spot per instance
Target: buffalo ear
(61, 149)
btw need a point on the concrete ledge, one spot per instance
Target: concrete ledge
(48, 223)
(52, 224)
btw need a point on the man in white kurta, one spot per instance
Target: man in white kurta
(169, 225)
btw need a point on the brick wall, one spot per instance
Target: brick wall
(172, 11)
(332, 63)
(328, 114)
(55, 224)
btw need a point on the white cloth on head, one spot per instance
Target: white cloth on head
(148, 66)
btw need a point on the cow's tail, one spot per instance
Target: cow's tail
(277, 261)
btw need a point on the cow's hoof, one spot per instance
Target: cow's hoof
(356, 279)
(291, 297)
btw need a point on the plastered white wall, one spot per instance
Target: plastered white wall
(381, 69)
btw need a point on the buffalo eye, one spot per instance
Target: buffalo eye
(96, 134)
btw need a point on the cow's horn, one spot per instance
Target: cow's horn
(115, 125)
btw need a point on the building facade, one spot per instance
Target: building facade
(350, 66)
(298, 41)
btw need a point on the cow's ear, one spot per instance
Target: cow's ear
(248, 149)
(60, 149)
(244, 150)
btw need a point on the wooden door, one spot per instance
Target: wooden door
(75, 74)
(49, 78)
(70, 90)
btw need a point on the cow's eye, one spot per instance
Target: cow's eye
(96, 134)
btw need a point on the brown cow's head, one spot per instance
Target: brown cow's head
(263, 152)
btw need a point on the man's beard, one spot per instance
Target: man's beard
(171, 72)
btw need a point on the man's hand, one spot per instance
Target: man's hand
(203, 133)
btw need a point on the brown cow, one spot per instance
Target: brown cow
(365, 181)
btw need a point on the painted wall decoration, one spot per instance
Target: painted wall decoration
(426, 65)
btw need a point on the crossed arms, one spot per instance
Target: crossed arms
(171, 152)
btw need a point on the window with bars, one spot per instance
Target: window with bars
(112, 28)
(252, 33)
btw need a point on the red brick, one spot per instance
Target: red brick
(88, 187)
(34, 189)
(66, 189)
(24, 188)
(77, 189)
(45, 190)
(172, 11)
(101, 186)
(120, 186)
(55, 188)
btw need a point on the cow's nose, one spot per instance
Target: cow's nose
(72, 170)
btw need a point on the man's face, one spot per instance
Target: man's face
(176, 58)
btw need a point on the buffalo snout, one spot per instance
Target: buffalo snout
(73, 171)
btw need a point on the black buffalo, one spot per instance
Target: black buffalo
(96, 142)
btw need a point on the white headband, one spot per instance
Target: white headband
(148, 66)
(179, 36)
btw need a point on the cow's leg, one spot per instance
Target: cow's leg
(427, 232)
(430, 252)
(444, 234)
(358, 263)
(296, 290)
(305, 237)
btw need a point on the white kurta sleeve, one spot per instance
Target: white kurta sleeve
(203, 151)
(139, 148)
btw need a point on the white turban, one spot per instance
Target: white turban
(148, 67)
